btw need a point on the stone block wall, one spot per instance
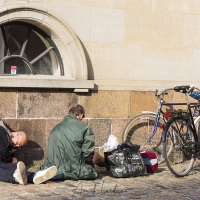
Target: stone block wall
(37, 111)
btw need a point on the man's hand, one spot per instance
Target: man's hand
(14, 160)
(85, 120)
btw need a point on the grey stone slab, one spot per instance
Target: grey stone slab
(101, 129)
(44, 103)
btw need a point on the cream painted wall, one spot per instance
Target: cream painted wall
(133, 44)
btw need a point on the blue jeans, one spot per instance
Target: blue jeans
(7, 170)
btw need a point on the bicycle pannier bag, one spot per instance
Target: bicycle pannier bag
(125, 162)
(150, 160)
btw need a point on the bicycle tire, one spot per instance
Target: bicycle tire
(180, 160)
(197, 126)
(138, 131)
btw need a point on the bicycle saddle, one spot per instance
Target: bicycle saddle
(182, 88)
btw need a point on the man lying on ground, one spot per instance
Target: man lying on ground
(12, 171)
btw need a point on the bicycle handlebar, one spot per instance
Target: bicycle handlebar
(186, 89)
(158, 93)
(183, 88)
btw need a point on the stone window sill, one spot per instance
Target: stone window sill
(45, 81)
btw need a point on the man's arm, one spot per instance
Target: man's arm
(6, 127)
(88, 146)
(6, 156)
(5, 153)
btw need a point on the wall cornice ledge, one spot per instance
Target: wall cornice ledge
(140, 85)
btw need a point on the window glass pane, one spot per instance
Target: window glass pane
(36, 43)
(16, 66)
(15, 36)
(43, 65)
(29, 49)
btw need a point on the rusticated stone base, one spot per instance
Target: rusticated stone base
(37, 111)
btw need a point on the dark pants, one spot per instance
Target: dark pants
(98, 160)
(7, 170)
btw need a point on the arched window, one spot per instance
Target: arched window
(38, 50)
(25, 49)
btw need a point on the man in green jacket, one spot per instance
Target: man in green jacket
(71, 147)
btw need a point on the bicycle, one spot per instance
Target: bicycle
(181, 135)
(146, 129)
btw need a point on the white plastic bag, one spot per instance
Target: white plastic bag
(111, 144)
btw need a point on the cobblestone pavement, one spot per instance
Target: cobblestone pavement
(160, 185)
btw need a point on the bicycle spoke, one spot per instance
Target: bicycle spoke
(138, 131)
(179, 158)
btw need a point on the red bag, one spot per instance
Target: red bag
(150, 160)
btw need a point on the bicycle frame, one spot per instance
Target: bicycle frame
(181, 145)
(190, 117)
(159, 112)
(191, 121)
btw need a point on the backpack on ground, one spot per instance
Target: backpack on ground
(125, 161)
(150, 160)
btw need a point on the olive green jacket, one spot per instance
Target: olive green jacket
(69, 142)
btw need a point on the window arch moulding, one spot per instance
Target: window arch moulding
(73, 72)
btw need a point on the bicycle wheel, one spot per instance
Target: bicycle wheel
(138, 131)
(197, 125)
(180, 159)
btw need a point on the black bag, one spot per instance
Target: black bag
(125, 162)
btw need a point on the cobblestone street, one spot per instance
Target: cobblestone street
(160, 185)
